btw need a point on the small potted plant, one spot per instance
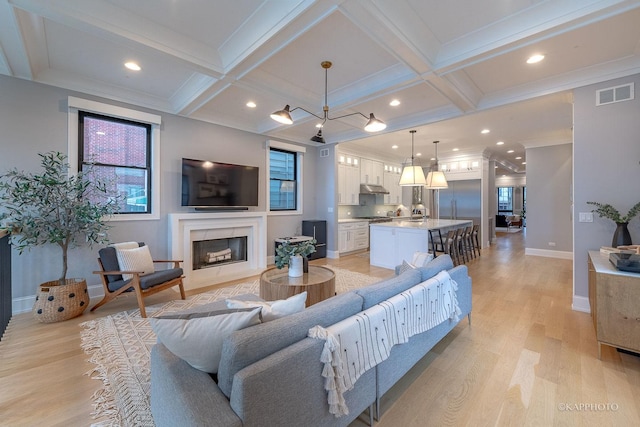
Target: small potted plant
(55, 207)
(294, 255)
(621, 235)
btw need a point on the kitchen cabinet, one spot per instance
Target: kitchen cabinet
(353, 236)
(614, 297)
(348, 183)
(371, 172)
(391, 182)
(462, 169)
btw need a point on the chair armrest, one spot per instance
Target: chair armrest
(109, 273)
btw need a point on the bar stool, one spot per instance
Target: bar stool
(475, 240)
(449, 246)
(468, 244)
(437, 243)
(460, 246)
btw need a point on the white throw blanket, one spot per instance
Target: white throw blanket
(358, 343)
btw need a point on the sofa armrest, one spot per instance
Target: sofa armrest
(184, 396)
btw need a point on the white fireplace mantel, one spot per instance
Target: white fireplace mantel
(184, 226)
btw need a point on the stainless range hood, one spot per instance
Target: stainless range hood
(372, 189)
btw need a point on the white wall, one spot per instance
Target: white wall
(33, 119)
(606, 169)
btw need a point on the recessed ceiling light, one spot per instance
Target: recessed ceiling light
(510, 151)
(394, 103)
(418, 154)
(319, 125)
(535, 58)
(251, 104)
(395, 147)
(518, 158)
(456, 149)
(132, 66)
(485, 131)
(500, 143)
(524, 163)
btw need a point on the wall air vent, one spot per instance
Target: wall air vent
(324, 152)
(614, 94)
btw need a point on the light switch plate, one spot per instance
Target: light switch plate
(585, 217)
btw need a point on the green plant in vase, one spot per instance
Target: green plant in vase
(56, 207)
(621, 235)
(285, 251)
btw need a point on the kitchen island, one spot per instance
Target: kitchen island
(393, 242)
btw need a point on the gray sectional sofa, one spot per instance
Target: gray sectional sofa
(270, 373)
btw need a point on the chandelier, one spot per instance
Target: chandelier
(284, 116)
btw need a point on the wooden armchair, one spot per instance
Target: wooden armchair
(115, 284)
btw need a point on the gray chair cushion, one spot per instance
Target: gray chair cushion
(150, 280)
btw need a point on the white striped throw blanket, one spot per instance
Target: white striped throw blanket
(358, 343)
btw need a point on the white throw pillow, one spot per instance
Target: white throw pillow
(420, 259)
(405, 266)
(137, 259)
(272, 310)
(197, 337)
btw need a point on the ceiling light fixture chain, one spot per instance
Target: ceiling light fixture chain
(284, 116)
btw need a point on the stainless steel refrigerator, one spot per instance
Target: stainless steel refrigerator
(462, 200)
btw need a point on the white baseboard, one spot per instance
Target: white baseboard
(581, 304)
(549, 254)
(25, 304)
(333, 254)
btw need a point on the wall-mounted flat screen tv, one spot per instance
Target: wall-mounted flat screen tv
(208, 184)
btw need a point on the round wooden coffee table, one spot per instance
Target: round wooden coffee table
(319, 282)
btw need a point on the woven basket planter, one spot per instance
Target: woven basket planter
(55, 302)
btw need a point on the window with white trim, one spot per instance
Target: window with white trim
(123, 145)
(284, 180)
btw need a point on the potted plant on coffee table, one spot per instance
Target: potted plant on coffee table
(294, 255)
(621, 236)
(55, 207)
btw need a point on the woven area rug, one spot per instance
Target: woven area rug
(119, 345)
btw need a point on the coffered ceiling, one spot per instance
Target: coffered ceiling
(456, 66)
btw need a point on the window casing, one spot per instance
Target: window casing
(120, 153)
(78, 105)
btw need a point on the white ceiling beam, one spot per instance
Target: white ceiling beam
(539, 22)
(14, 58)
(113, 23)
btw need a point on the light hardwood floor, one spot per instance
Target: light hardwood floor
(527, 358)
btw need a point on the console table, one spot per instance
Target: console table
(319, 282)
(614, 297)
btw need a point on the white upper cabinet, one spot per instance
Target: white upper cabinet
(348, 180)
(371, 172)
(391, 182)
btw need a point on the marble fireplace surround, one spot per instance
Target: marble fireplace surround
(184, 228)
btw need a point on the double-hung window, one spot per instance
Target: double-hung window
(120, 154)
(284, 180)
(283, 185)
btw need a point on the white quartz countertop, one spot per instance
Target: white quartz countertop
(602, 264)
(347, 220)
(428, 224)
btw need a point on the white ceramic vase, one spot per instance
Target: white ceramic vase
(295, 266)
